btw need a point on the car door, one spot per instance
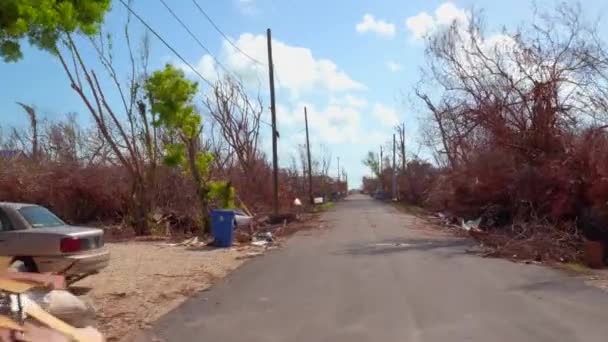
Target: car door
(8, 235)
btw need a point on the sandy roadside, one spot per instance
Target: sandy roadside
(148, 279)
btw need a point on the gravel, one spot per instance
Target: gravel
(148, 279)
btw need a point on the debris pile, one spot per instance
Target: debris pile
(538, 242)
(38, 308)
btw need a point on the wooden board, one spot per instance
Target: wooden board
(14, 286)
(7, 323)
(35, 311)
(51, 281)
(5, 262)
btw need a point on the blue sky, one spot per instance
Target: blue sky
(352, 63)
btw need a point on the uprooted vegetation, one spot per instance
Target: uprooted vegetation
(517, 122)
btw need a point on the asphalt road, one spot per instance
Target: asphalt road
(376, 276)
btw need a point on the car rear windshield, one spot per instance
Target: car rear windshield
(40, 217)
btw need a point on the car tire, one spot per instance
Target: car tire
(23, 265)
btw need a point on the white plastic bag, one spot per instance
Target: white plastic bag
(65, 306)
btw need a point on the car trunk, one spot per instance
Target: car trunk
(48, 241)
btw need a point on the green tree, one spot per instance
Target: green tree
(43, 22)
(372, 161)
(171, 98)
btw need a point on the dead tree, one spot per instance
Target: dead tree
(131, 141)
(519, 90)
(238, 119)
(63, 140)
(34, 143)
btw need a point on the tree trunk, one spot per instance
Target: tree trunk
(202, 189)
(140, 208)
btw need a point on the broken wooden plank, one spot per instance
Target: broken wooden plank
(80, 335)
(7, 323)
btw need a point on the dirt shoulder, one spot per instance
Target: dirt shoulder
(148, 279)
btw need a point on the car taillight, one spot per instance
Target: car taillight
(69, 245)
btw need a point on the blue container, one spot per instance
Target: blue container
(222, 227)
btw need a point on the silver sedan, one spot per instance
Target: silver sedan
(38, 241)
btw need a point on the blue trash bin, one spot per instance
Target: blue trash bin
(222, 227)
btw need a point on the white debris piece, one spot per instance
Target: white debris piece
(297, 202)
(262, 239)
(471, 224)
(64, 305)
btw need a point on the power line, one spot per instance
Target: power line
(166, 44)
(173, 50)
(205, 48)
(177, 53)
(224, 35)
(194, 36)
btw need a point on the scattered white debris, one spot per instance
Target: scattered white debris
(249, 255)
(297, 202)
(471, 224)
(262, 239)
(64, 305)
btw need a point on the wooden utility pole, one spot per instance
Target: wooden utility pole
(275, 161)
(338, 183)
(394, 168)
(380, 159)
(401, 131)
(338, 169)
(346, 181)
(381, 173)
(312, 199)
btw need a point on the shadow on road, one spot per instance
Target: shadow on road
(449, 246)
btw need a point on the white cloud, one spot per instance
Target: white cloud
(334, 120)
(247, 6)
(333, 124)
(376, 137)
(446, 14)
(349, 100)
(296, 69)
(206, 66)
(394, 66)
(420, 25)
(386, 115)
(380, 27)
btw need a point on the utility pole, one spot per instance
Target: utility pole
(275, 161)
(338, 183)
(381, 160)
(312, 199)
(338, 169)
(346, 180)
(381, 173)
(394, 168)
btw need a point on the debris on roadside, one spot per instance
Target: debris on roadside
(525, 242)
(63, 305)
(249, 255)
(471, 224)
(282, 218)
(40, 313)
(241, 236)
(262, 239)
(194, 241)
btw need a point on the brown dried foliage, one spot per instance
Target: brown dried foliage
(517, 124)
